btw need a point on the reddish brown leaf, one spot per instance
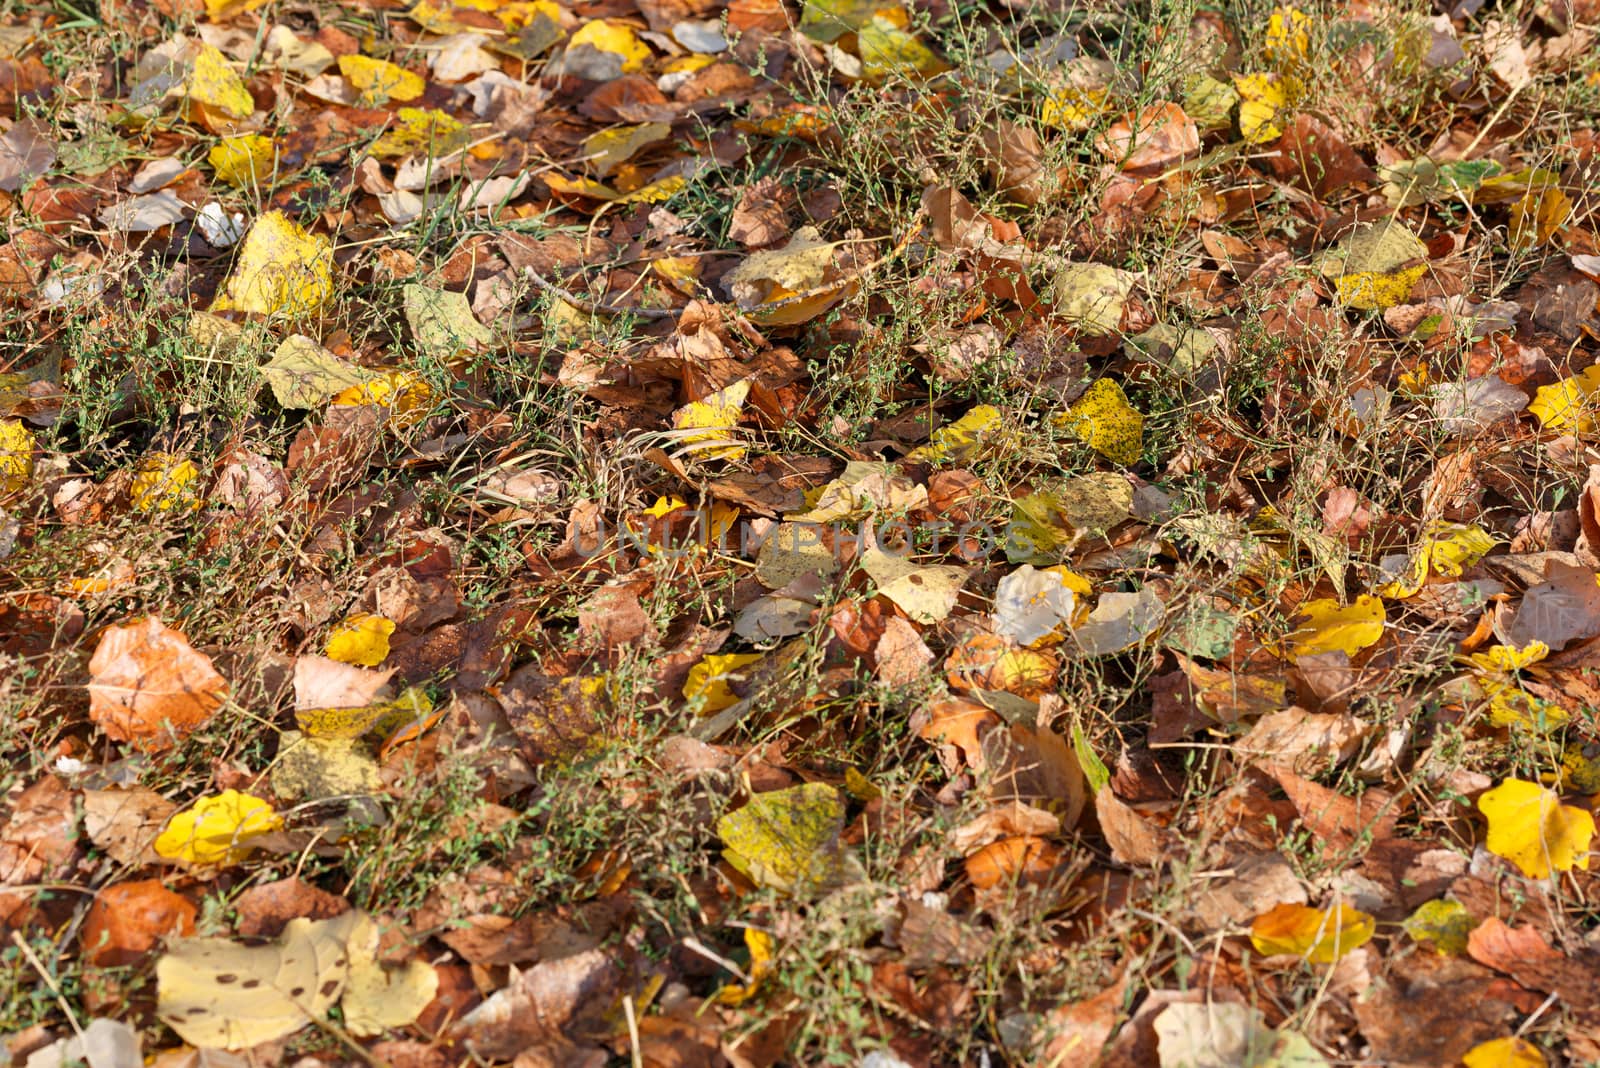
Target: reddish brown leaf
(148, 685)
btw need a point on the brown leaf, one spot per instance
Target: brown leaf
(761, 217)
(902, 656)
(41, 835)
(1133, 839)
(266, 909)
(1076, 1032)
(1339, 822)
(128, 920)
(1563, 609)
(1428, 1010)
(1013, 861)
(1523, 954)
(1015, 160)
(1314, 156)
(148, 685)
(1588, 547)
(1153, 139)
(323, 683)
(124, 823)
(1309, 742)
(542, 1006)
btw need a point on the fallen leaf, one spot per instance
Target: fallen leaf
(377, 81)
(1376, 266)
(218, 994)
(706, 687)
(709, 425)
(1155, 138)
(246, 161)
(217, 830)
(1442, 924)
(614, 39)
(1330, 626)
(361, 639)
(1320, 936)
(1091, 296)
(281, 270)
(379, 997)
(788, 839)
(1529, 826)
(1033, 606)
(1504, 1053)
(304, 375)
(1119, 622)
(442, 323)
(1104, 420)
(16, 456)
(128, 920)
(925, 592)
(148, 685)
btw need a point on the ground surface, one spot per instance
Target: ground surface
(654, 532)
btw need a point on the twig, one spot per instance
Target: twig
(591, 306)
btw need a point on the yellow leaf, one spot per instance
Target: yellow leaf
(424, 130)
(1091, 296)
(707, 682)
(1504, 659)
(165, 482)
(1504, 1053)
(926, 593)
(1445, 549)
(886, 49)
(762, 947)
(1263, 97)
(379, 718)
(603, 35)
(378, 81)
(1511, 706)
(580, 187)
(282, 269)
(219, 994)
(787, 840)
(1072, 107)
(665, 506)
(961, 439)
(16, 456)
(1442, 924)
(1027, 673)
(217, 830)
(1320, 936)
(1376, 266)
(215, 86)
(442, 323)
(361, 639)
(607, 150)
(405, 394)
(245, 162)
(218, 10)
(1104, 420)
(1529, 826)
(380, 997)
(1329, 625)
(711, 423)
(1288, 37)
(1569, 403)
(1537, 216)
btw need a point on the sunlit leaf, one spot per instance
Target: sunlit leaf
(1320, 936)
(959, 440)
(787, 840)
(16, 456)
(405, 396)
(1091, 296)
(1376, 266)
(712, 422)
(1529, 826)
(360, 639)
(165, 482)
(706, 686)
(1327, 626)
(886, 50)
(215, 87)
(1505, 1052)
(245, 161)
(217, 830)
(762, 947)
(1570, 403)
(421, 130)
(616, 38)
(1443, 924)
(281, 270)
(1104, 420)
(378, 81)
(1288, 38)
(1263, 98)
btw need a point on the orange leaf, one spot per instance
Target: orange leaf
(148, 685)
